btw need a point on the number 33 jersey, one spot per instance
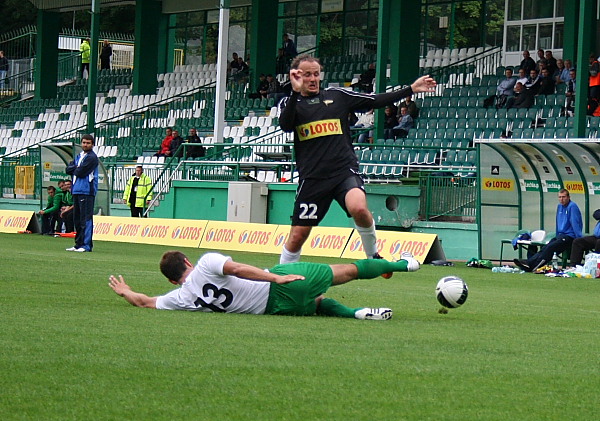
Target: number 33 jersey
(208, 289)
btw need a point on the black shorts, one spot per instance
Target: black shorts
(314, 197)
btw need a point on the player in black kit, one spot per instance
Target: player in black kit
(325, 159)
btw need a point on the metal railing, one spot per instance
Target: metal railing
(446, 196)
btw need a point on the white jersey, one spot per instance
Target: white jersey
(208, 289)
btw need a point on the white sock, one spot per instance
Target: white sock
(369, 239)
(288, 256)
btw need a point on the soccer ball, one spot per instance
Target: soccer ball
(451, 291)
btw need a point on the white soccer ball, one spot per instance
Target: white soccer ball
(451, 291)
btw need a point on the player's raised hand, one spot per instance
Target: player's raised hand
(424, 84)
(296, 79)
(118, 285)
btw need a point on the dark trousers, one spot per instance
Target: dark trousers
(557, 245)
(581, 245)
(85, 66)
(83, 212)
(137, 212)
(68, 220)
(48, 223)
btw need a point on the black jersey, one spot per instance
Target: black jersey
(322, 139)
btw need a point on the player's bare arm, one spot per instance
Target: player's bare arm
(253, 273)
(134, 298)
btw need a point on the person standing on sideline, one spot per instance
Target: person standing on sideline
(569, 226)
(220, 285)
(105, 55)
(86, 52)
(3, 69)
(138, 187)
(325, 158)
(84, 170)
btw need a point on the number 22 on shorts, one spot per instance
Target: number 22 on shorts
(308, 211)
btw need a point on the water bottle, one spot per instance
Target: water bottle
(555, 263)
(496, 269)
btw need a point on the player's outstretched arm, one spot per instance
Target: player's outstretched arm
(253, 273)
(424, 84)
(134, 298)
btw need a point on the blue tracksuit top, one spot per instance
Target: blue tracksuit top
(568, 220)
(84, 170)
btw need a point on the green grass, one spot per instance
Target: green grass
(523, 347)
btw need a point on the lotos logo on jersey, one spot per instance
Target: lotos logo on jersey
(319, 128)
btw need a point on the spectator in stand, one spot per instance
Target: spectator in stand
(196, 151)
(263, 87)
(243, 70)
(413, 110)
(522, 77)
(176, 142)
(365, 81)
(365, 121)
(547, 84)
(533, 83)
(527, 63)
(50, 213)
(66, 214)
(165, 146)
(289, 48)
(540, 59)
(234, 65)
(281, 63)
(523, 97)
(390, 121)
(505, 89)
(105, 55)
(570, 93)
(594, 90)
(550, 62)
(569, 64)
(561, 75)
(85, 50)
(274, 89)
(3, 69)
(405, 123)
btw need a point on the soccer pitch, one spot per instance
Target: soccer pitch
(523, 347)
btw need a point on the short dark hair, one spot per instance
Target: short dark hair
(565, 191)
(302, 58)
(88, 137)
(51, 188)
(172, 265)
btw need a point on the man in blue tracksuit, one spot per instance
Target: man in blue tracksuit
(569, 226)
(84, 170)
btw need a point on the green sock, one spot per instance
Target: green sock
(330, 307)
(372, 268)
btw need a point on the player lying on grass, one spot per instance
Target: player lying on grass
(218, 284)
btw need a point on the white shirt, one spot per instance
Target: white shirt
(208, 289)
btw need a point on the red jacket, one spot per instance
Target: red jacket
(165, 145)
